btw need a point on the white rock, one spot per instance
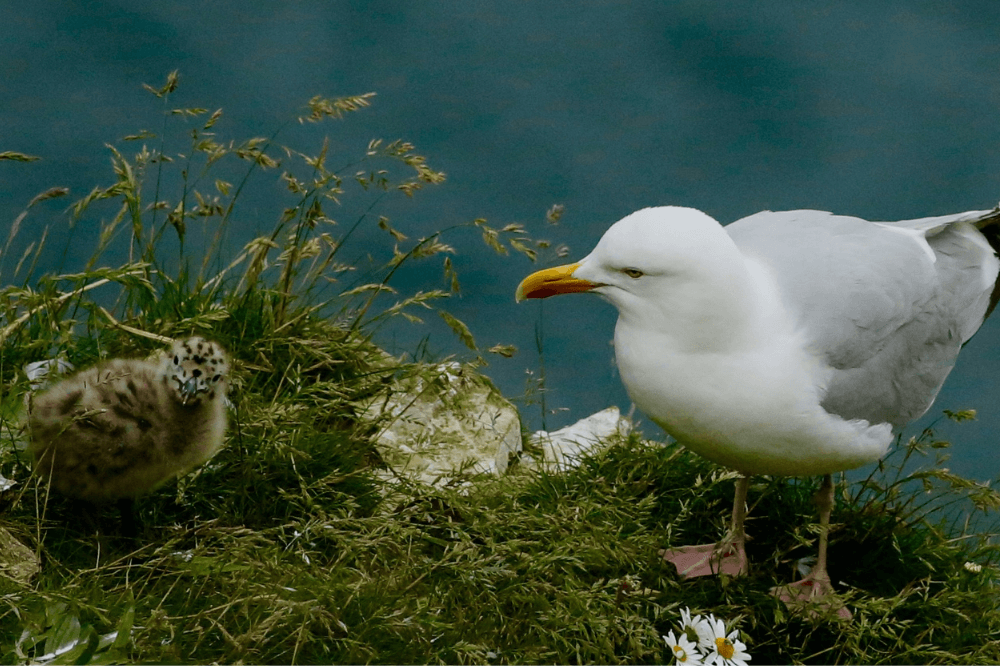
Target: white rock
(564, 448)
(438, 426)
(17, 561)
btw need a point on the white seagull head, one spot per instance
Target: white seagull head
(669, 269)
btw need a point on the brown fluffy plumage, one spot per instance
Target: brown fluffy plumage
(124, 427)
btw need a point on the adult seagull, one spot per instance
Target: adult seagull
(786, 343)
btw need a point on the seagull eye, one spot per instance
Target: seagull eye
(633, 273)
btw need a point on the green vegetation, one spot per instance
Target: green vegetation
(290, 547)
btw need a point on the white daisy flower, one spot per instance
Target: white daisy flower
(726, 650)
(705, 629)
(684, 651)
(695, 628)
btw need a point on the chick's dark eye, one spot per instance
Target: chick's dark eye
(633, 273)
(177, 361)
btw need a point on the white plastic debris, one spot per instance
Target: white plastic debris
(6, 484)
(39, 373)
(564, 448)
(804, 565)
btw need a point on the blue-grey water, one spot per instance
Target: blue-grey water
(882, 110)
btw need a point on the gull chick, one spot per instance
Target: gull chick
(124, 427)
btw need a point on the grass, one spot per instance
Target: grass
(290, 547)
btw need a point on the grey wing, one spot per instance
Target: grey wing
(888, 306)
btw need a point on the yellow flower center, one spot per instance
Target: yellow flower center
(680, 654)
(725, 648)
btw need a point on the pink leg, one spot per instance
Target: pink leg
(727, 556)
(816, 587)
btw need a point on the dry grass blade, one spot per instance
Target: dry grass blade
(17, 157)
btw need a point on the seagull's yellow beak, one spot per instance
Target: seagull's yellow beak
(552, 281)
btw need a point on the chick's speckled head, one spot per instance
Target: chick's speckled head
(196, 369)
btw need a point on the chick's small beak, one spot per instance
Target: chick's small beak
(552, 281)
(189, 390)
